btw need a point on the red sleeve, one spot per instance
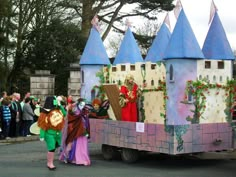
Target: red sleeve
(124, 91)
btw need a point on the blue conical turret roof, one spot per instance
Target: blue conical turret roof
(94, 52)
(158, 47)
(183, 43)
(216, 44)
(129, 51)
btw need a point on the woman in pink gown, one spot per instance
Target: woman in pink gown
(75, 135)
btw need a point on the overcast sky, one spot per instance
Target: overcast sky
(198, 14)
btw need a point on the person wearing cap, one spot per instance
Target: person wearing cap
(129, 93)
(51, 122)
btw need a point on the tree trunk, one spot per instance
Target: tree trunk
(19, 41)
(87, 16)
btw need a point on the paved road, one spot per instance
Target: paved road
(28, 159)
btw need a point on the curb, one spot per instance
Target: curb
(20, 139)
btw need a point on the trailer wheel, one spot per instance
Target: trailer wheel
(108, 152)
(129, 155)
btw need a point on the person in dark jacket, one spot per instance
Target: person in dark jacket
(27, 117)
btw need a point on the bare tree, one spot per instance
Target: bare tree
(110, 11)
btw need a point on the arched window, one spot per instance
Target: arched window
(190, 95)
(152, 82)
(171, 73)
(82, 76)
(214, 78)
(221, 79)
(93, 94)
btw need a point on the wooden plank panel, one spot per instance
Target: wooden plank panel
(112, 91)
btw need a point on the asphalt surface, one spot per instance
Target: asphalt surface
(26, 157)
(230, 154)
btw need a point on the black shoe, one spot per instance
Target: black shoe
(52, 168)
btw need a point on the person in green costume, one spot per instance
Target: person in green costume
(51, 122)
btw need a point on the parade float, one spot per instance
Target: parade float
(187, 92)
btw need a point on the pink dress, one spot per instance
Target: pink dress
(81, 154)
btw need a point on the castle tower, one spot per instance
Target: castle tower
(217, 68)
(181, 57)
(129, 51)
(92, 61)
(218, 64)
(216, 45)
(127, 60)
(158, 47)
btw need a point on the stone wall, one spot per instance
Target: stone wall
(42, 84)
(74, 82)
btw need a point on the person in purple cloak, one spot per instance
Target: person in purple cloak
(76, 133)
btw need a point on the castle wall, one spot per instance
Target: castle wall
(183, 70)
(153, 106)
(215, 106)
(213, 73)
(152, 72)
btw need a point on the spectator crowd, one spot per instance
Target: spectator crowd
(17, 115)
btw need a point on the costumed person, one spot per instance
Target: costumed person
(76, 134)
(51, 122)
(69, 101)
(129, 93)
(99, 109)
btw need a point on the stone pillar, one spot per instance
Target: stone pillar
(42, 84)
(74, 83)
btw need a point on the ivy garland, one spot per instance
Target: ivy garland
(100, 92)
(179, 131)
(104, 74)
(199, 88)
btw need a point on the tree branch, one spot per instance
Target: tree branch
(133, 15)
(109, 5)
(112, 21)
(76, 8)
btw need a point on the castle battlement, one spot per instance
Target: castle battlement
(150, 72)
(215, 71)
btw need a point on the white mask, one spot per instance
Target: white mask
(81, 105)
